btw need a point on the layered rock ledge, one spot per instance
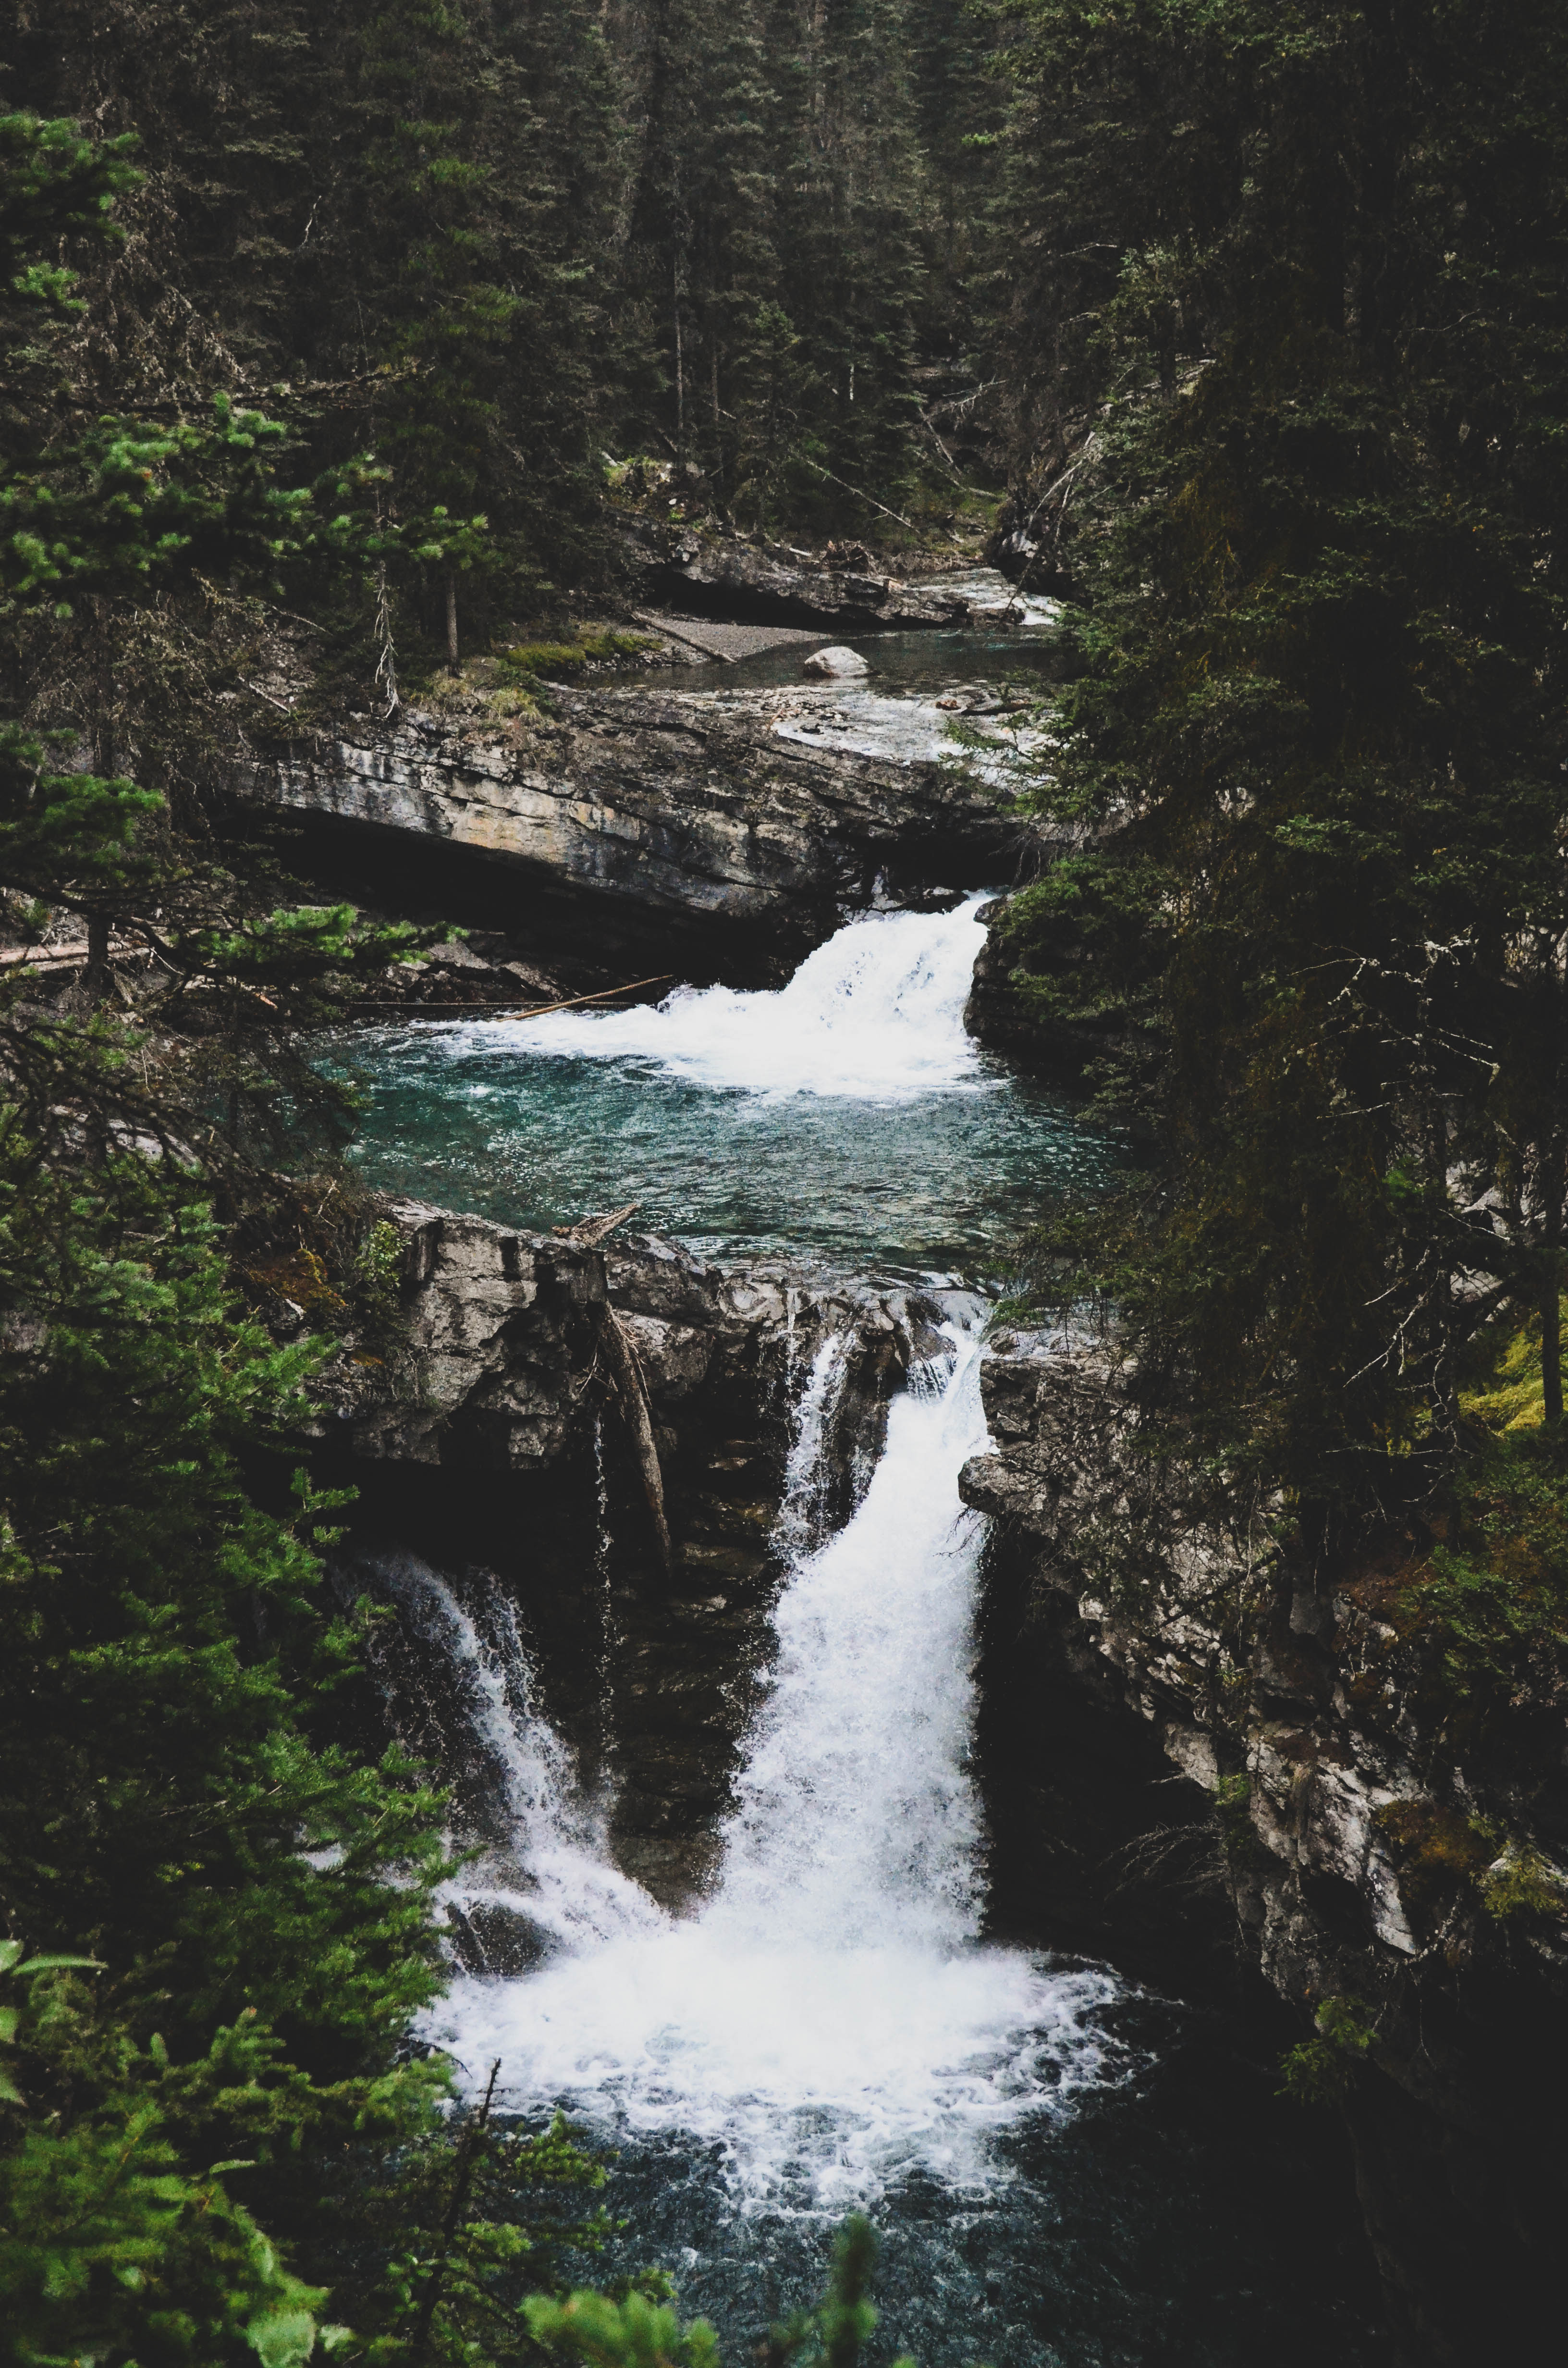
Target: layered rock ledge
(797, 587)
(737, 828)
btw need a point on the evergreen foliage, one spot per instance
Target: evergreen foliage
(1316, 535)
(255, 1901)
(345, 310)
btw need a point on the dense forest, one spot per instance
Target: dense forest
(1239, 326)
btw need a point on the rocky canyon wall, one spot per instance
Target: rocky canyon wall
(1397, 1883)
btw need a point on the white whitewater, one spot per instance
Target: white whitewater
(802, 1512)
(829, 2018)
(562, 1879)
(876, 1013)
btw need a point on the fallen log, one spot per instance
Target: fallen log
(626, 1372)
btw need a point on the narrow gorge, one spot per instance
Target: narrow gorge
(816, 1798)
(768, 1893)
(783, 1184)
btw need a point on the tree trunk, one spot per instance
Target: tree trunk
(462, 2173)
(452, 664)
(1551, 1281)
(96, 978)
(103, 721)
(680, 350)
(627, 1374)
(1551, 1350)
(718, 430)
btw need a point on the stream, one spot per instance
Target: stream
(845, 1114)
(1063, 2167)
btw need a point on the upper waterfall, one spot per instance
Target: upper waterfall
(876, 1013)
(847, 1112)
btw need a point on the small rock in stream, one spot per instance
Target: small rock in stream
(838, 662)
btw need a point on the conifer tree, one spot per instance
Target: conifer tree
(701, 254)
(848, 176)
(1321, 528)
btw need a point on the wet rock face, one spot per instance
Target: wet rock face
(1305, 1795)
(1007, 1017)
(688, 819)
(497, 1444)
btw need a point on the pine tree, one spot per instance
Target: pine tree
(848, 178)
(959, 105)
(701, 252)
(1316, 737)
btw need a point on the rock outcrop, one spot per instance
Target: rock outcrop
(799, 587)
(499, 1441)
(1385, 1876)
(1012, 1017)
(733, 831)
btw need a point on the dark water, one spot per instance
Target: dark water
(941, 1182)
(895, 662)
(1184, 2218)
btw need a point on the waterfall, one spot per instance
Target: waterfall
(828, 2020)
(553, 1871)
(876, 1013)
(808, 1471)
(856, 1822)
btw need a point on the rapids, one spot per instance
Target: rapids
(875, 1015)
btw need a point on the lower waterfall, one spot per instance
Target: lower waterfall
(828, 2021)
(1066, 2171)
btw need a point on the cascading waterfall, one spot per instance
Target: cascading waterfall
(829, 2018)
(876, 1013)
(802, 1512)
(1052, 2183)
(554, 1870)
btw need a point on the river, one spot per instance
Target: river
(1064, 2168)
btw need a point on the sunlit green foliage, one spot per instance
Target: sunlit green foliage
(1317, 2071)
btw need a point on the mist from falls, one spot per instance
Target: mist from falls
(828, 2019)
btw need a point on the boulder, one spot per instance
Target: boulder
(836, 662)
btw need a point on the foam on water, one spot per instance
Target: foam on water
(876, 1013)
(829, 2018)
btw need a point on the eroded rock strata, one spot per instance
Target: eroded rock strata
(850, 590)
(1349, 1827)
(737, 827)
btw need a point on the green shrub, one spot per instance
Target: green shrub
(530, 659)
(1316, 2072)
(1522, 1884)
